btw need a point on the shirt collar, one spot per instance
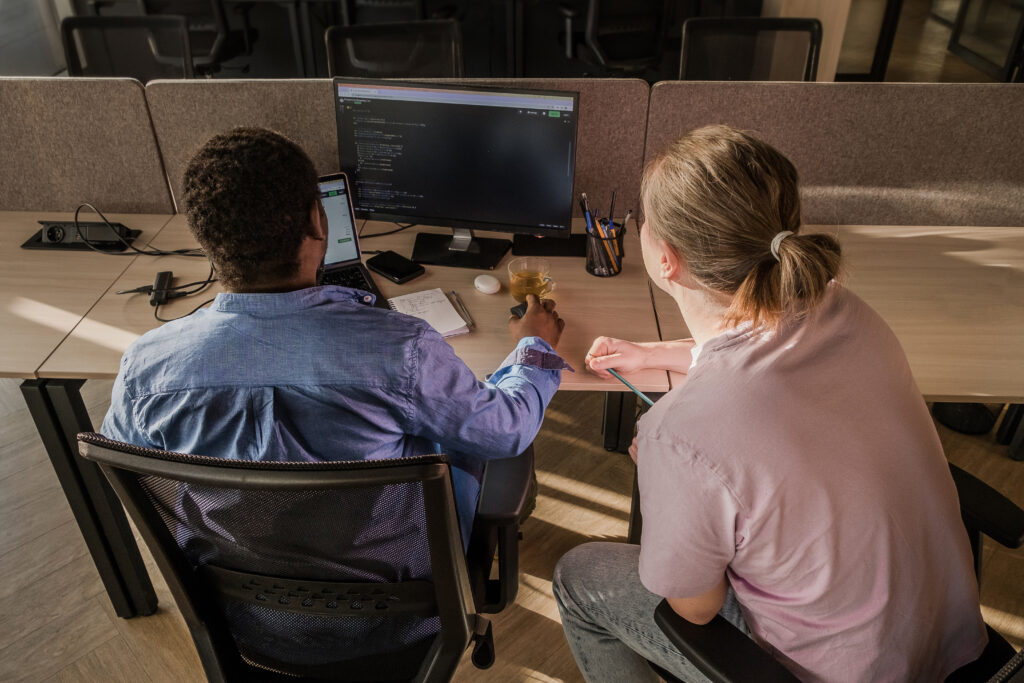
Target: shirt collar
(299, 299)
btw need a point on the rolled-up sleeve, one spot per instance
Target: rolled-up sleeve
(497, 418)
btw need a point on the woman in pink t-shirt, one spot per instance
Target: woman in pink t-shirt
(794, 483)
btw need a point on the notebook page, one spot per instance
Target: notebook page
(434, 307)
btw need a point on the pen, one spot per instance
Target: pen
(587, 216)
(636, 391)
(462, 309)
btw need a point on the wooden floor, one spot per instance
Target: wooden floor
(57, 624)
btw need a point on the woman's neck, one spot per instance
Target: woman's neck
(703, 311)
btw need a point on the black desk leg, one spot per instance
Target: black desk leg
(619, 420)
(1011, 430)
(59, 414)
(308, 44)
(298, 42)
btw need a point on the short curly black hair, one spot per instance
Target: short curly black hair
(248, 194)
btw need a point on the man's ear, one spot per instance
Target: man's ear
(317, 222)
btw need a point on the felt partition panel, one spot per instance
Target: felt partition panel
(187, 113)
(613, 113)
(65, 141)
(872, 153)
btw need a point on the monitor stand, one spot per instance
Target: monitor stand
(461, 250)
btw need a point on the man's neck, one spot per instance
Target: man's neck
(274, 287)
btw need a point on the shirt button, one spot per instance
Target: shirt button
(368, 299)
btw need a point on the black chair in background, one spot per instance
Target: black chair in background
(626, 36)
(126, 46)
(725, 654)
(421, 49)
(358, 12)
(989, 35)
(213, 40)
(279, 568)
(750, 49)
(355, 12)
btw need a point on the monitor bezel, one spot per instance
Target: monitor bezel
(425, 221)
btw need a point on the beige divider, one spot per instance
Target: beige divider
(187, 113)
(64, 141)
(872, 153)
(613, 114)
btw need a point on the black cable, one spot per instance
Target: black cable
(199, 284)
(156, 312)
(389, 232)
(129, 245)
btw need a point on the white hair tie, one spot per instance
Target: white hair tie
(777, 240)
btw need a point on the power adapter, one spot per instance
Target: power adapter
(161, 288)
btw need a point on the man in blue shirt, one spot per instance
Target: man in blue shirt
(281, 369)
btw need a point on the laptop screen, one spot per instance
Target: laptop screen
(341, 227)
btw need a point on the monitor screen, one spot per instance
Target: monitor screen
(341, 232)
(464, 157)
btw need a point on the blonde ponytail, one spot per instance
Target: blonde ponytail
(720, 197)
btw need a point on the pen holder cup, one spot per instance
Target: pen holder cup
(605, 249)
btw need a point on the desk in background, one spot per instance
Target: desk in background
(45, 295)
(951, 295)
(590, 305)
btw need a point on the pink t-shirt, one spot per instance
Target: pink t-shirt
(804, 465)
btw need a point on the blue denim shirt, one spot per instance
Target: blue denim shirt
(318, 374)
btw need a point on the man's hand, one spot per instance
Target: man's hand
(540, 320)
(617, 354)
(633, 451)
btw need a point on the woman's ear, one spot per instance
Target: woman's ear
(670, 261)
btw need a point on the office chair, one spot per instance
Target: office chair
(125, 46)
(213, 41)
(626, 35)
(723, 653)
(749, 49)
(422, 49)
(280, 568)
(360, 12)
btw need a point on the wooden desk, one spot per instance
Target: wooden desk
(590, 305)
(952, 295)
(46, 293)
(43, 296)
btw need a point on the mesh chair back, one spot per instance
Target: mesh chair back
(127, 46)
(350, 569)
(207, 26)
(354, 12)
(625, 33)
(423, 49)
(750, 49)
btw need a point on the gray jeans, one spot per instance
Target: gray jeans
(608, 616)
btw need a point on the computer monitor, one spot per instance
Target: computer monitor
(464, 157)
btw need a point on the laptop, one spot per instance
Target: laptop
(342, 264)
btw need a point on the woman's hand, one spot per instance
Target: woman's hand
(620, 355)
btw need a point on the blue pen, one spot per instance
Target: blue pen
(636, 391)
(586, 212)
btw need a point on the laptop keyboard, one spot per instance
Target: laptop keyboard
(348, 277)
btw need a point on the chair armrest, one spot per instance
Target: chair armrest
(721, 651)
(505, 488)
(987, 510)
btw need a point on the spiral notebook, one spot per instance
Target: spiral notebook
(434, 307)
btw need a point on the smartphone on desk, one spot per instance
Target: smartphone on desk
(394, 267)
